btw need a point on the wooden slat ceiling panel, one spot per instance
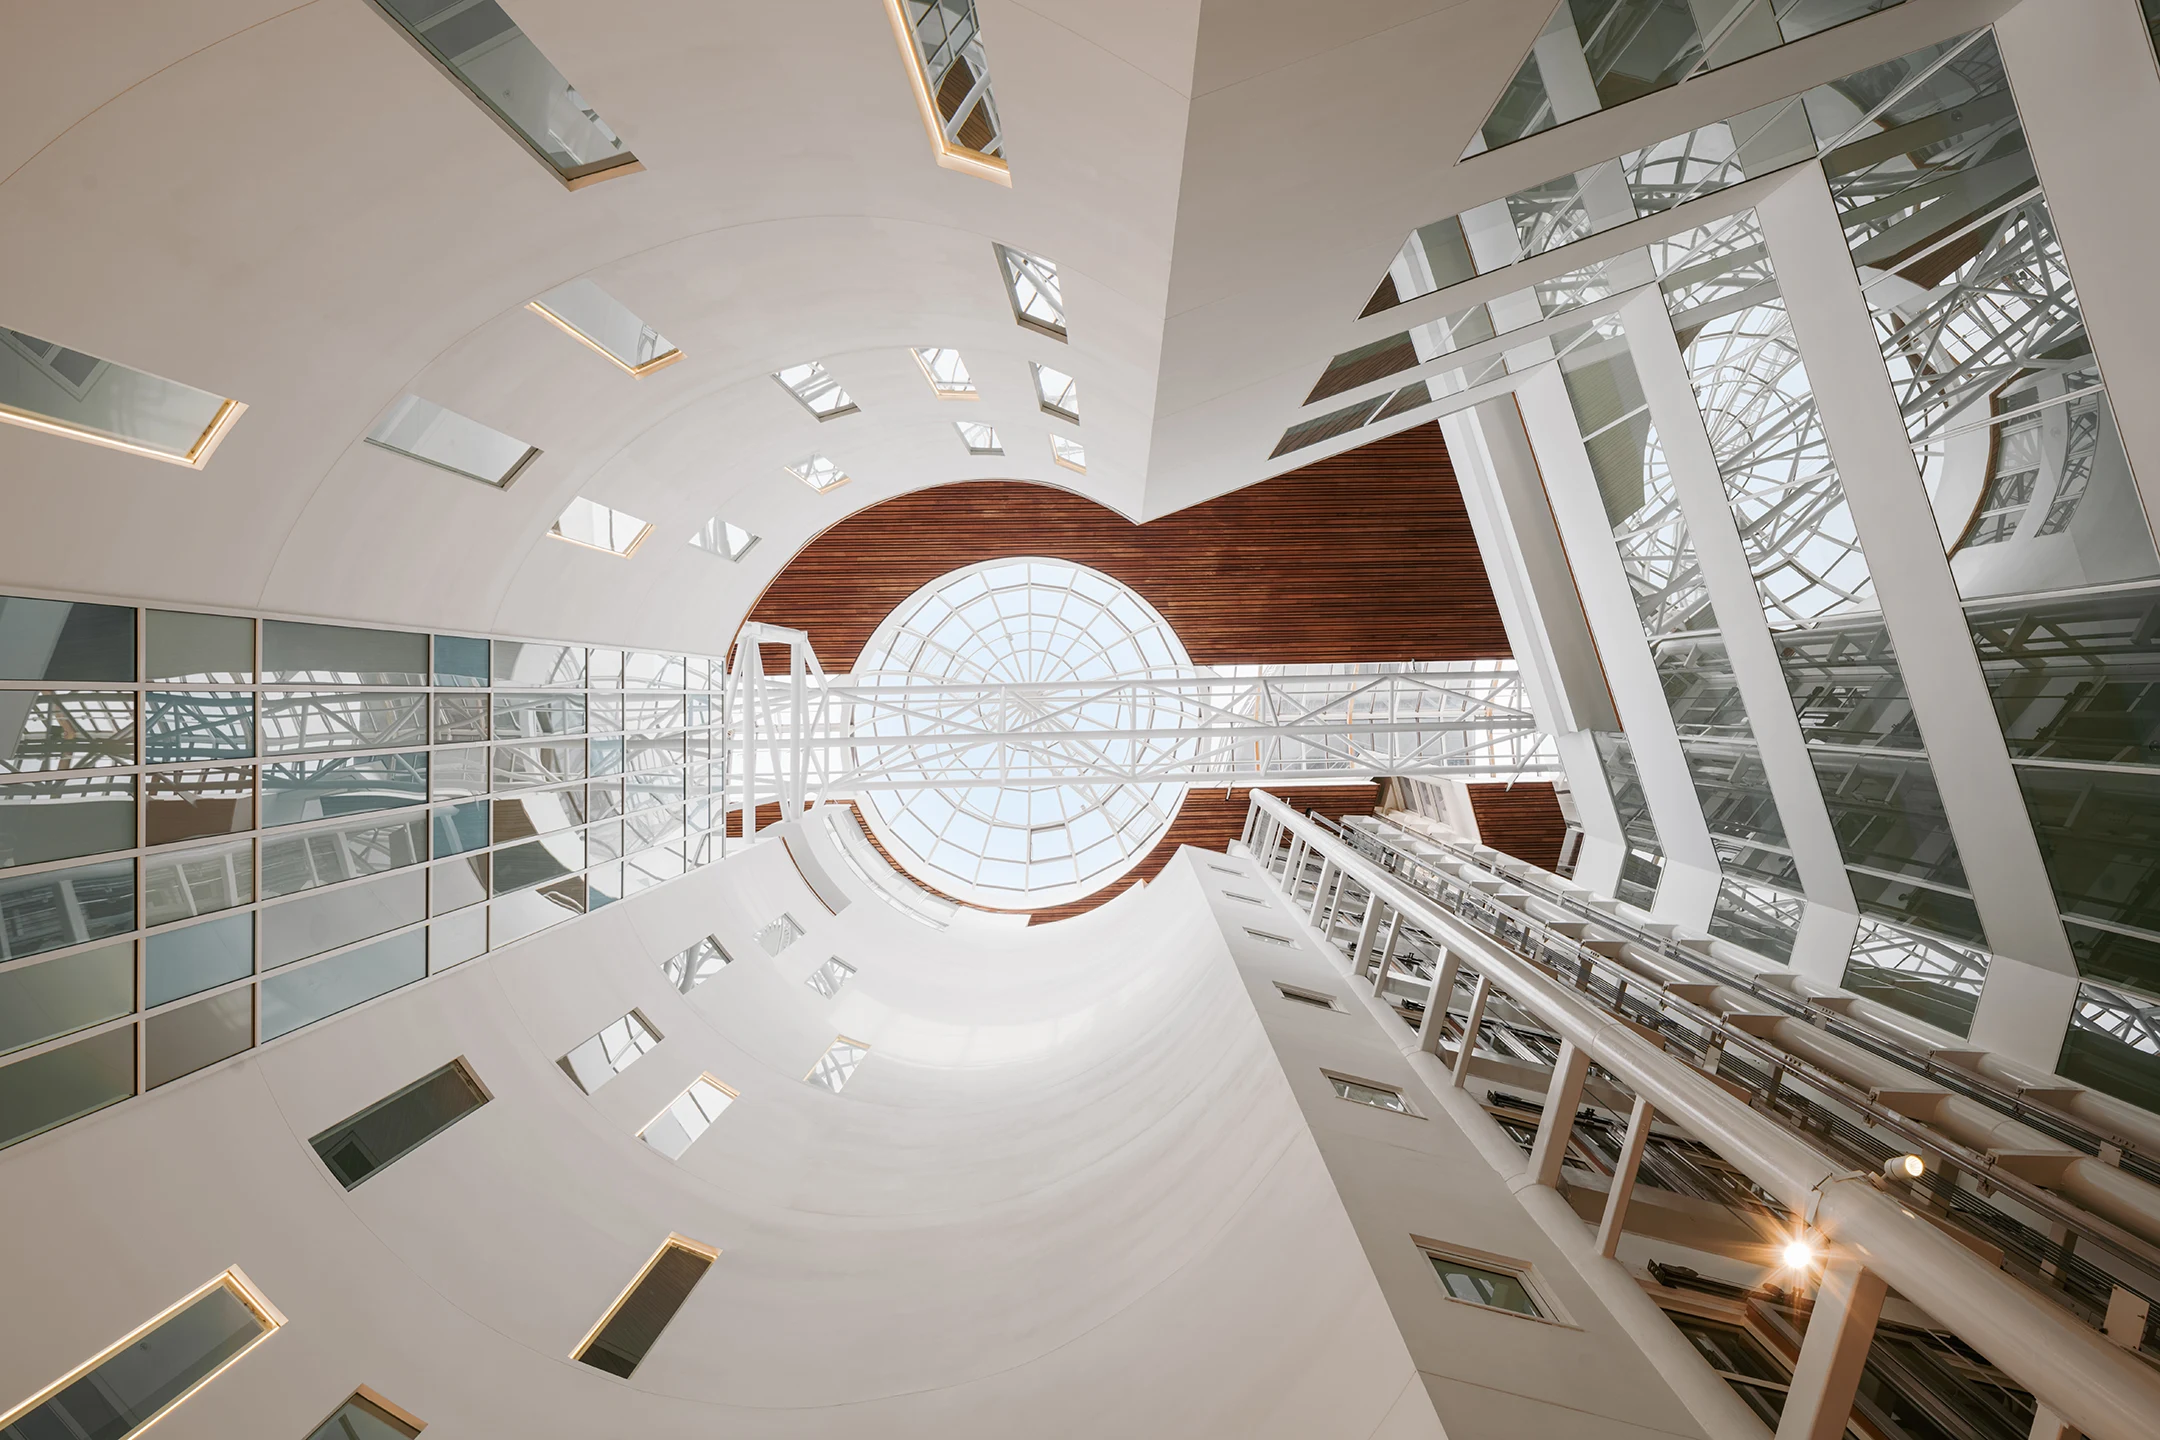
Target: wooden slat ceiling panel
(1365, 556)
(1362, 557)
(1522, 820)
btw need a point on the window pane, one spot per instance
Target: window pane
(1481, 1286)
(312, 789)
(520, 664)
(341, 982)
(180, 883)
(505, 71)
(199, 649)
(458, 884)
(2099, 832)
(62, 641)
(190, 804)
(602, 1057)
(65, 907)
(398, 1124)
(60, 1085)
(65, 729)
(216, 726)
(459, 828)
(300, 928)
(2075, 678)
(777, 935)
(347, 851)
(38, 1002)
(295, 721)
(534, 716)
(459, 718)
(359, 1419)
(687, 1116)
(694, 966)
(182, 1041)
(1371, 1095)
(343, 655)
(837, 1065)
(637, 1319)
(422, 430)
(49, 387)
(607, 325)
(517, 766)
(60, 819)
(181, 962)
(460, 661)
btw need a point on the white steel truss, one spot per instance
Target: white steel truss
(806, 735)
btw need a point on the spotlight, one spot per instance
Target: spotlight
(1800, 1254)
(1904, 1167)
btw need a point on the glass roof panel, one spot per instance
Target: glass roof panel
(1007, 831)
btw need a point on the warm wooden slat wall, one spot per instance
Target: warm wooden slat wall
(1522, 820)
(1365, 556)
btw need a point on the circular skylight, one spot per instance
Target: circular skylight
(999, 828)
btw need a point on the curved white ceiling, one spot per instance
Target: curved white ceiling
(287, 203)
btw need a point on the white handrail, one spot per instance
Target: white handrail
(2076, 1373)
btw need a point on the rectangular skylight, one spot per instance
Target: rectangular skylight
(777, 935)
(592, 316)
(830, 976)
(818, 472)
(46, 386)
(687, 1116)
(422, 430)
(615, 1049)
(1069, 453)
(979, 438)
(142, 1376)
(947, 374)
(1058, 393)
(815, 387)
(591, 524)
(500, 67)
(1031, 283)
(942, 43)
(694, 966)
(724, 538)
(631, 1326)
(837, 1064)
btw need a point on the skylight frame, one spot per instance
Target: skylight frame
(817, 463)
(1069, 388)
(573, 177)
(697, 1106)
(224, 414)
(959, 384)
(1069, 453)
(948, 152)
(406, 404)
(985, 442)
(554, 315)
(1046, 289)
(717, 537)
(613, 547)
(814, 371)
(1021, 845)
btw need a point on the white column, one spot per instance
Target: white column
(1475, 1018)
(1623, 1178)
(1689, 889)
(1731, 583)
(1557, 1125)
(1833, 1353)
(1434, 1026)
(2090, 99)
(1897, 529)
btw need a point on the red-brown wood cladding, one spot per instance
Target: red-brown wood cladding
(1522, 820)
(1364, 556)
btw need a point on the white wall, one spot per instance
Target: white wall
(1067, 1194)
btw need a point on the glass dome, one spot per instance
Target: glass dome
(1004, 832)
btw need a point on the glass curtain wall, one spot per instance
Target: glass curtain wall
(1984, 339)
(215, 829)
(1658, 554)
(1595, 54)
(1644, 864)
